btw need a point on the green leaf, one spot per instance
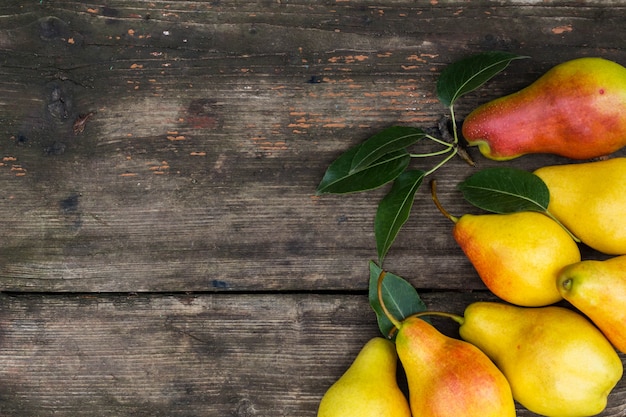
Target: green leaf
(389, 140)
(468, 74)
(506, 190)
(341, 179)
(399, 296)
(394, 209)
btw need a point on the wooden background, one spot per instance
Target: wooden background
(168, 256)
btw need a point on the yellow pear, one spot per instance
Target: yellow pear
(448, 377)
(598, 290)
(557, 362)
(368, 388)
(517, 255)
(590, 200)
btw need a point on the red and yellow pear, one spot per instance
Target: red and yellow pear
(577, 110)
(447, 377)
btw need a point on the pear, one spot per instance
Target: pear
(448, 377)
(590, 200)
(577, 109)
(557, 362)
(517, 255)
(368, 388)
(598, 290)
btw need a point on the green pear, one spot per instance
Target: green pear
(448, 377)
(557, 362)
(577, 110)
(590, 200)
(598, 290)
(368, 388)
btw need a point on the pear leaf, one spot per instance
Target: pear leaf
(394, 209)
(340, 178)
(391, 139)
(468, 74)
(399, 296)
(506, 190)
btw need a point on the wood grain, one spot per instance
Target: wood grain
(168, 255)
(214, 123)
(189, 355)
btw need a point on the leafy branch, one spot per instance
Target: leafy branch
(385, 157)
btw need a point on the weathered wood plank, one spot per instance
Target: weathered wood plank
(188, 355)
(214, 122)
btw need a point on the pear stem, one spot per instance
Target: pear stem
(462, 152)
(426, 155)
(453, 152)
(455, 317)
(433, 193)
(379, 291)
(450, 148)
(454, 128)
(448, 145)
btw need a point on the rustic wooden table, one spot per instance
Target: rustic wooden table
(167, 255)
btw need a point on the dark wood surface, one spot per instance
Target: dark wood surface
(167, 255)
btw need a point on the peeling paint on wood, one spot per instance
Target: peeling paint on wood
(150, 149)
